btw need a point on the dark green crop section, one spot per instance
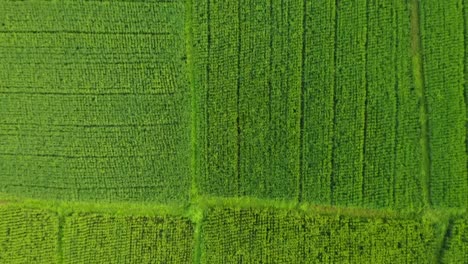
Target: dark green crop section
(106, 238)
(392, 143)
(318, 100)
(465, 86)
(442, 29)
(380, 120)
(218, 75)
(28, 235)
(350, 100)
(94, 101)
(282, 236)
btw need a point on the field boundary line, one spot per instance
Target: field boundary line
(191, 211)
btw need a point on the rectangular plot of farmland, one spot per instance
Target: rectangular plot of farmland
(269, 98)
(251, 99)
(318, 94)
(94, 101)
(118, 17)
(103, 238)
(268, 235)
(361, 136)
(349, 98)
(381, 97)
(218, 95)
(28, 235)
(409, 182)
(442, 38)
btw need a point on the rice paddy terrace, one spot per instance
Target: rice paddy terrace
(235, 131)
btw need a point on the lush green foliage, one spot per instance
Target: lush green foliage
(318, 100)
(102, 238)
(94, 101)
(442, 29)
(456, 242)
(283, 236)
(356, 128)
(28, 235)
(251, 93)
(254, 131)
(408, 183)
(44, 233)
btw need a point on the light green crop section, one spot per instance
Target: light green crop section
(357, 78)
(282, 236)
(41, 231)
(456, 242)
(106, 238)
(120, 17)
(442, 32)
(94, 101)
(28, 235)
(270, 98)
(250, 92)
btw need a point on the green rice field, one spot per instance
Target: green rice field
(234, 131)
